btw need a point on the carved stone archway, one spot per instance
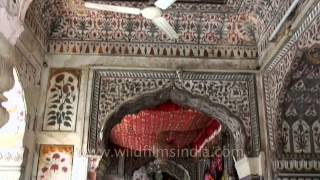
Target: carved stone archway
(228, 97)
(183, 98)
(180, 97)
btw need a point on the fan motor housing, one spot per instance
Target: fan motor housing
(151, 12)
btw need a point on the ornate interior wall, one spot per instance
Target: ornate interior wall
(129, 91)
(279, 80)
(69, 104)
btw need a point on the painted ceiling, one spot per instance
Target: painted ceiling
(168, 125)
(206, 28)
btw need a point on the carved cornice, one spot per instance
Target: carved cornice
(297, 165)
(152, 49)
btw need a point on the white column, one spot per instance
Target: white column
(10, 163)
(250, 166)
(7, 82)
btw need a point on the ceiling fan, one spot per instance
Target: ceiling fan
(152, 13)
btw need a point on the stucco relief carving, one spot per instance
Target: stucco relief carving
(29, 73)
(12, 15)
(7, 82)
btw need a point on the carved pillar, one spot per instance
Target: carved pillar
(7, 82)
(10, 163)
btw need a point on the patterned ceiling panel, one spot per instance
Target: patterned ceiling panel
(208, 6)
(208, 29)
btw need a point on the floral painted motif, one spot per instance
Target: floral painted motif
(62, 100)
(55, 162)
(301, 137)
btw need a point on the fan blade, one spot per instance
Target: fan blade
(162, 24)
(164, 4)
(119, 9)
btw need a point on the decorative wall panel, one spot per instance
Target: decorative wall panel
(234, 92)
(55, 162)
(299, 102)
(29, 74)
(62, 100)
(276, 80)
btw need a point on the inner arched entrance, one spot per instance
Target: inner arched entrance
(181, 98)
(160, 129)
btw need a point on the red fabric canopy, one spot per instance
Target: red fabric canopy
(168, 123)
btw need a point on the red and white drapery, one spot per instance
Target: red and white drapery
(173, 125)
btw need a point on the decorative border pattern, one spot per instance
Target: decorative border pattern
(297, 165)
(169, 79)
(299, 176)
(151, 49)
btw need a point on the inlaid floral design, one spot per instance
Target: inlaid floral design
(301, 137)
(62, 101)
(55, 162)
